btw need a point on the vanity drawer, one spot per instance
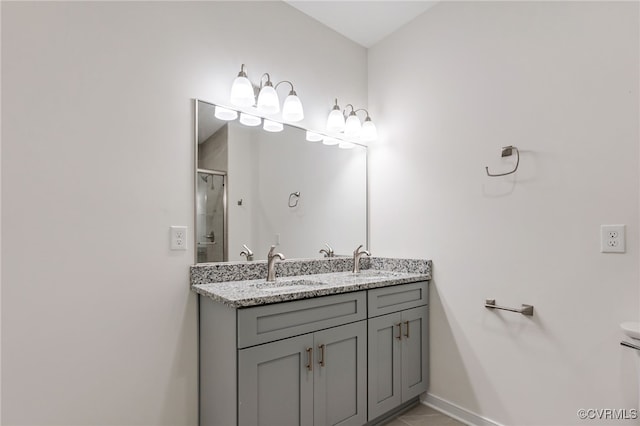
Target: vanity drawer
(385, 300)
(262, 324)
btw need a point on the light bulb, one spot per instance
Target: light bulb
(242, 90)
(352, 126)
(330, 141)
(268, 102)
(369, 131)
(313, 136)
(225, 113)
(292, 108)
(272, 126)
(335, 121)
(346, 145)
(249, 120)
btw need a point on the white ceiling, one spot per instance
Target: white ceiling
(365, 22)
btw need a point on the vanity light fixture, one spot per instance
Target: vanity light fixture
(313, 136)
(225, 113)
(346, 145)
(242, 90)
(272, 126)
(328, 140)
(369, 131)
(352, 127)
(250, 120)
(292, 108)
(335, 121)
(268, 101)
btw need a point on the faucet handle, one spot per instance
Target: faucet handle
(360, 252)
(271, 254)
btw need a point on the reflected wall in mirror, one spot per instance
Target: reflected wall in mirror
(247, 179)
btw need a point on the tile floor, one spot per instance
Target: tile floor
(421, 415)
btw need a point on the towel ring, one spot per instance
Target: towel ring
(297, 197)
(506, 152)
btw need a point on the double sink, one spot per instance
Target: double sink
(301, 284)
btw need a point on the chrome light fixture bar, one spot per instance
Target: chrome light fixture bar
(339, 121)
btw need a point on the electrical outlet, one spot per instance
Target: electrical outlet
(178, 237)
(612, 239)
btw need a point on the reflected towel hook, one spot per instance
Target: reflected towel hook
(297, 197)
(506, 152)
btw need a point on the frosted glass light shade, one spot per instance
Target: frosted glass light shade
(346, 145)
(249, 120)
(335, 121)
(313, 136)
(225, 114)
(352, 126)
(272, 126)
(292, 108)
(369, 132)
(330, 141)
(242, 92)
(268, 102)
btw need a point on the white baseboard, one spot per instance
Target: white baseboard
(457, 412)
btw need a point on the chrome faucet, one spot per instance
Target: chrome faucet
(328, 252)
(357, 254)
(247, 252)
(271, 263)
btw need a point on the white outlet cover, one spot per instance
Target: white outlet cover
(178, 237)
(612, 239)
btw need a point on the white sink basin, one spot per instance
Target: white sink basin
(631, 329)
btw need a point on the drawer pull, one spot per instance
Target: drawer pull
(399, 336)
(321, 362)
(310, 359)
(407, 335)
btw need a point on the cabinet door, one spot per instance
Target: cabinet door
(415, 352)
(275, 383)
(340, 375)
(384, 387)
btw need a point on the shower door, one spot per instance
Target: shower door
(211, 216)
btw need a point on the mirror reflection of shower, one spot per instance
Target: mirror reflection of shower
(210, 216)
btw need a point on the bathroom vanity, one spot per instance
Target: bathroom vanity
(319, 346)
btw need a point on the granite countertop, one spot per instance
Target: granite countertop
(235, 283)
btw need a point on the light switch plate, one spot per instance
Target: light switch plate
(178, 238)
(612, 238)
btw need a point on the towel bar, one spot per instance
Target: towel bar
(525, 310)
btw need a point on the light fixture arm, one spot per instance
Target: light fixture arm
(242, 72)
(366, 112)
(268, 82)
(292, 91)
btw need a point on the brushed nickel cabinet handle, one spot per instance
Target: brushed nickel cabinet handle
(321, 362)
(399, 336)
(407, 334)
(310, 359)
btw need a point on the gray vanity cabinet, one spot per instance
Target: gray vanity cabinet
(397, 346)
(314, 379)
(340, 375)
(306, 362)
(274, 383)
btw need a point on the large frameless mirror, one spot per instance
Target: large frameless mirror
(256, 188)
